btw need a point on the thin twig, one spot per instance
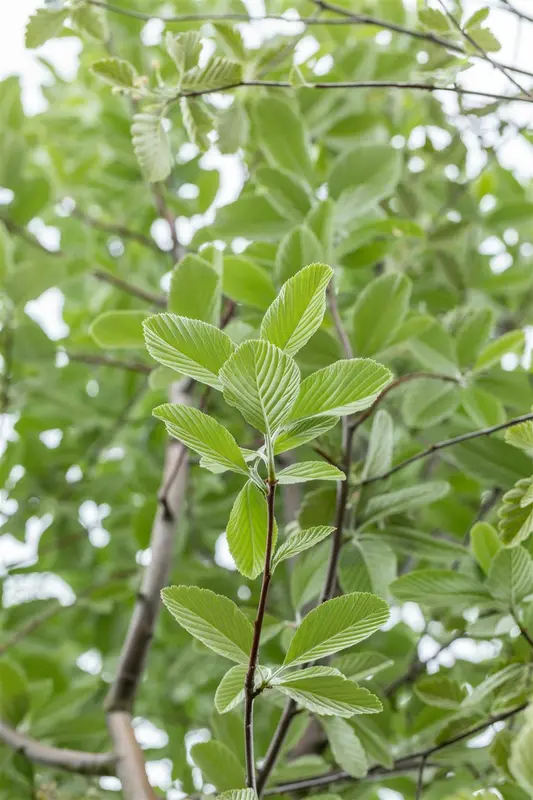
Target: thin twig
(122, 231)
(434, 448)
(108, 361)
(158, 193)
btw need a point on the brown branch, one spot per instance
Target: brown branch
(511, 9)
(56, 757)
(434, 448)
(115, 229)
(109, 361)
(130, 760)
(158, 192)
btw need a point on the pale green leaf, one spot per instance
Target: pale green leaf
(512, 676)
(239, 794)
(346, 747)
(425, 545)
(116, 71)
(374, 741)
(510, 576)
(203, 434)
(472, 334)
(363, 176)
(246, 282)
(440, 691)
(521, 436)
(151, 145)
(298, 433)
(427, 402)
(367, 565)
(91, 21)
(213, 619)
(231, 39)
(342, 388)
(520, 762)
(262, 382)
(300, 246)
(324, 690)
(218, 73)
(493, 352)
(485, 544)
(197, 121)
(516, 513)
(365, 664)
(439, 588)
(189, 346)
(304, 471)
(434, 19)
(247, 531)
(119, 329)
(220, 766)
(298, 310)
(230, 691)
(372, 329)
(401, 500)
(195, 290)
(307, 577)
(380, 446)
(282, 135)
(285, 191)
(485, 39)
(336, 625)
(435, 350)
(44, 25)
(184, 50)
(233, 127)
(299, 541)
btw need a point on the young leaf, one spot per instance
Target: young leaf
(324, 690)
(119, 329)
(298, 433)
(439, 588)
(336, 625)
(220, 766)
(203, 434)
(285, 191)
(300, 246)
(197, 121)
(340, 389)
(218, 73)
(298, 310)
(521, 436)
(373, 740)
(439, 691)
(14, 694)
(485, 544)
(372, 329)
(184, 50)
(383, 505)
(262, 382)
(512, 676)
(346, 747)
(366, 664)
(511, 576)
(282, 135)
(520, 762)
(492, 353)
(230, 691)
(247, 531)
(428, 402)
(213, 619)
(367, 564)
(363, 176)
(189, 346)
(516, 513)
(304, 471)
(300, 541)
(43, 25)
(195, 290)
(116, 71)
(380, 447)
(245, 282)
(238, 794)
(151, 145)
(472, 335)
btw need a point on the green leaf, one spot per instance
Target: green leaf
(299, 541)
(116, 71)
(340, 389)
(435, 350)
(520, 762)
(440, 691)
(91, 21)
(304, 471)
(485, 39)
(14, 695)
(213, 619)
(197, 121)
(472, 335)
(483, 408)
(262, 382)
(512, 676)
(336, 625)
(282, 136)
(300, 246)
(324, 690)
(380, 446)
(374, 741)
(346, 747)
(521, 436)
(362, 177)
(368, 565)
(425, 545)
(434, 19)
(439, 588)
(231, 39)
(401, 500)
(510, 576)
(372, 330)
(230, 691)
(239, 794)
(233, 127)
(285, 191)
(298, 310)
(427, 402)
(119, 329)
(44, 25)
(151, 145)
(366, 664)
(219, 765)
(189, 346)
(6, 252)
(195, 290)
(184, 50)
(245, 282)
(298, 433)
(516, 513)
(485, 544)
(247, 531)
(203, 434)
(511, 342)
(251, 216)
(218, 73)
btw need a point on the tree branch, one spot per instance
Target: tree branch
(165, 213)
(121, 231)
(434, 448)
(108, 361)
(56, 757)
(130, 760)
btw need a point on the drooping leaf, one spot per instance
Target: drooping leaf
(376, 745)
(342, 388)
(325, 691)
(367, 565)
(262, 382)
(304, 471)
(203, 434)
(220, 766)
(335, 625)
(510, 576)
(197, 121)
(300, 541)
(151, 145)
(247, 531)
(297, 433)
(189, 346)
(513, 676)
(213, 619)
(346, 747)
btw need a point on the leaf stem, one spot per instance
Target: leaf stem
(249, 684)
